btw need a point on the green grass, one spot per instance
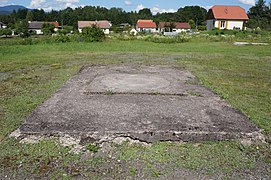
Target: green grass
(92, 147)
(208, 156)
(32, 73)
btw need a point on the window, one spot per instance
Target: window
(222, 24)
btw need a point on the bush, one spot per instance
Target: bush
(181, 38)
(201, 28)
(62, 32)
(5, 31)
(93, 34)
(48, 29)
(62, 38)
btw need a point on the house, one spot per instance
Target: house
(146, 26)
(226, 17)
(37, 26)
(2, 25)
(176, 27)
(104, 25)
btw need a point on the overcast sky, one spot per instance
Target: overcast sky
(128, 5)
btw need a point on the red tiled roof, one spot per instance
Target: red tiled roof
(146, 24)
(56, 24)
(229, 12)
(100, 24)
(178, 25)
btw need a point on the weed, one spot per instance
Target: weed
(109, 93)
(156, 93)
(156, 173)
(133, 171)
(195, 94)
(93, 148)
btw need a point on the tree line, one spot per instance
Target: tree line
(260, 15)
(117, 16)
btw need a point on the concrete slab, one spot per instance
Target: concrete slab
(149, 103)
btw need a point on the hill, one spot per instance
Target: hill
(9, 9)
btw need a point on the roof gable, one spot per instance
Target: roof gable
(227, 12)
(146, 24)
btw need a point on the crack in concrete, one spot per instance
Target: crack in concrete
(137, 93)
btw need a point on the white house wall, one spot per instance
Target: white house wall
(151, 30)
(228, 25)
(106, 31)
(236, 24)
(38, 31)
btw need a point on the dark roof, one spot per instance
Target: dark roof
(35, 25)
(2, 23)
(38, 25)
(227, 12)
(178, 25)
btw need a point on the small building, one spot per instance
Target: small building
(176, 27)
(37, 26)
(226, 17)
(2, 25)
(104, 25)
(146, 26)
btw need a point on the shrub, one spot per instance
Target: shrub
(48, 29)
(62, 38)
(93, 34)
(181, 38)
(21, 28)
(62, 31)
(5, 31)
(201, 28)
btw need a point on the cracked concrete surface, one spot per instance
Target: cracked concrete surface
(147, 103)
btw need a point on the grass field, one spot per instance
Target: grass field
(32, 73)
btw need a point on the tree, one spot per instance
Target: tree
(145, 14)
(192, 24)
(29, 16)
(195, 13)
(93, 34)
(169, 27)
(260, 16)
(5, 32)
(21, 28)
(21, 14)
(48, 29)
(39, 15)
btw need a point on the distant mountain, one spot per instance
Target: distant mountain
(9, 9)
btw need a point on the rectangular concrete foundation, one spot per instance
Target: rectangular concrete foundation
(148, 103)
